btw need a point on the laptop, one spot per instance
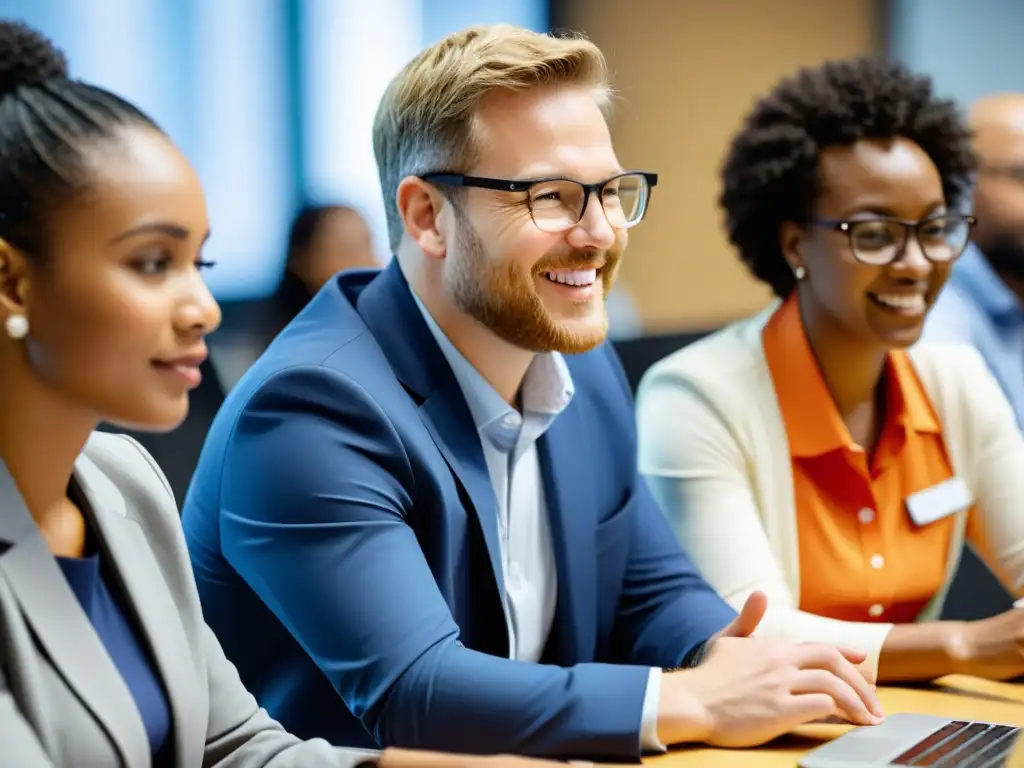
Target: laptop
(905, 739)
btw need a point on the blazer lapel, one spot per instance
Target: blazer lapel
(62, 628)
(778, 467)
(390, 312)
(129, 558)
(447, 418)
(568, 491)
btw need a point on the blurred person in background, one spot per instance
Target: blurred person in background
(803, 452)
(104, 655)
(983, 303)
(423, 499)
(323, 240)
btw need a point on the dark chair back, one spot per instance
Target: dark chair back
(640, 353)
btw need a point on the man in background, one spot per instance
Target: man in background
(983, 303)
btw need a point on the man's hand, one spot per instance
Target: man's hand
(748, 690)
(750, 616)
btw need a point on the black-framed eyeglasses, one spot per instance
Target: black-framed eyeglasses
(880, 241)
(1011, 172)
(557, 203)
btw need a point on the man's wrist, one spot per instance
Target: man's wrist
(695, 655)
(692, 658)
(682, 718)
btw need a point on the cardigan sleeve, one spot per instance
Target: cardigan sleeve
(995, 448)
(695, 462)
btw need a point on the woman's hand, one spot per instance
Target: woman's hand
(993, 648)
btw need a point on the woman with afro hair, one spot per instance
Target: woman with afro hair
(807, 452)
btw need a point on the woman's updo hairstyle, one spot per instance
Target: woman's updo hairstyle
(48, 123)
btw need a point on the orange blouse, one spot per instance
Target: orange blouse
(861, 555)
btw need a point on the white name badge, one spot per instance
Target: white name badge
(942, 500)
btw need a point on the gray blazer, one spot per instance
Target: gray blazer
(62, 701)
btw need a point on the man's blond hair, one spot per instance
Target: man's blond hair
(425, 119)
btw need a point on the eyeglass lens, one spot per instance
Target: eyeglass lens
(942, 238)
(558, 205)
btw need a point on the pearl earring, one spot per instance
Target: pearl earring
(799, 273)
(17, 326)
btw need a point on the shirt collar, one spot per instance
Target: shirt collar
(975, 276)
(813, 423)
(546, 392)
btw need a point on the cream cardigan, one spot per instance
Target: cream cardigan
(713, 447)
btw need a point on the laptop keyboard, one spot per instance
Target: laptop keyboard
(962, 744)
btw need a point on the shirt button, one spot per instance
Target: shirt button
(510, 420)
(876, 610)
(866, 515)
(877, 561)
(515, 574)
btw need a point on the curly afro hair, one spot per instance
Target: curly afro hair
(771, 171)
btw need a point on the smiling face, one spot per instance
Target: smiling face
(877, 305)
(538, 290)
(116, 307)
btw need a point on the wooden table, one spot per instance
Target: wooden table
(959, 697)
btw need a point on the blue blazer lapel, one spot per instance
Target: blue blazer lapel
(568, 489)
(390, 312)
(446, 417)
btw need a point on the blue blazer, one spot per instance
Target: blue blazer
(344, 535)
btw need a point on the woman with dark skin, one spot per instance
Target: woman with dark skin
(807, 452)
(104, 655)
